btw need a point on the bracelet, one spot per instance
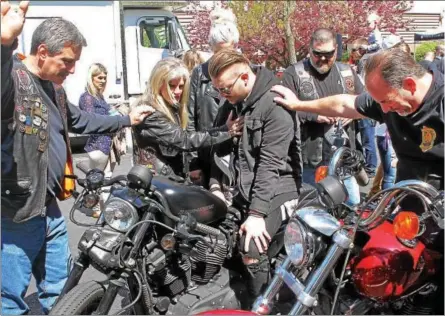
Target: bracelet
(214, 189)
(255, 213)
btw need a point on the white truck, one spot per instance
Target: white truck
(127, 37)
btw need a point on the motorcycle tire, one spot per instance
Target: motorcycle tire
(83, 299)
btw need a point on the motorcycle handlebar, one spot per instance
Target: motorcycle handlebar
(83, 182)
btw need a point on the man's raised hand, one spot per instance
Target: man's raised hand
(13, 20)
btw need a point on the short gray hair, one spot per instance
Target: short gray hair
(394, 65)
(323, 36)
(55, 33)
(224, 32)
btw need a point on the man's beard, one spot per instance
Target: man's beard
(325, 68)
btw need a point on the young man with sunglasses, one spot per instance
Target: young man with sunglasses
(316, 77)
(264, 164)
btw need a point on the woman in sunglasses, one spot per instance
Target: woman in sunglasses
(162, 140)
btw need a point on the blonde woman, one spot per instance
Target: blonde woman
(92, 100)
(161, 140)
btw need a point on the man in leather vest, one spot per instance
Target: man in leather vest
(36, 155)
(316, 77)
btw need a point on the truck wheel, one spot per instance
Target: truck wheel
(83, 299)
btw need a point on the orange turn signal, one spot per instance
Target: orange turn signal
(406, 225)
(321, 173)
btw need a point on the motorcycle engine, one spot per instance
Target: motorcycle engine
(205, 262)
(171, 275)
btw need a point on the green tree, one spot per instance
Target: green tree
(424, 48)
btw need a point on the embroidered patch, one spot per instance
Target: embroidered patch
(43, 134)
(37, 121)
(428, 138)
(28, 130)
(21, 128)
(349, 83)
(42, 147)
(24, 80)
(22, 118)
(346, 73)
(37, 112)
(307, 88)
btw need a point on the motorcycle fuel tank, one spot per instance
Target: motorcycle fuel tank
(205, 207)
(385, 268)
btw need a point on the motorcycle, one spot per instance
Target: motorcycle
(376, 259)
(170, 245)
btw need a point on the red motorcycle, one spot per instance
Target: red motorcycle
(377, 259)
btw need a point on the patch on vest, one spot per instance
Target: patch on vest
(428, 138)
(307, 88)
(25, 85)
(349, 81)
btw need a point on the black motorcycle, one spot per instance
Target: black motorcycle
(171, 245)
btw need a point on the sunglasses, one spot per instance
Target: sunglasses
(327, 55)
(228, 90)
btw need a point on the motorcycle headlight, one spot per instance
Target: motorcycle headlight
(120, 214)
(299, 243)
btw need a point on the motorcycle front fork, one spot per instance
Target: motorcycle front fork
(79, 266)
(306, 293)
(113, 288)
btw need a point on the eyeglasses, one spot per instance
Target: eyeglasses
(327, 55)
(228, 90)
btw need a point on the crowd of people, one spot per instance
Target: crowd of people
(250, 138)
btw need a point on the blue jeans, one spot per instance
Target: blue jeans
(389, 173)
(367, 133)
(40, 247)
(353, 189)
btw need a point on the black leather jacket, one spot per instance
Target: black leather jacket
(266, 158)
(204, 100)
(160, 144)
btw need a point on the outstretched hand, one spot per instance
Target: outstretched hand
(139, 113)
(288, 99)
(13, 20)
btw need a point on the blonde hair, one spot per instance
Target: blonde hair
(94, 70)
(192, 58)
(163, 72)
